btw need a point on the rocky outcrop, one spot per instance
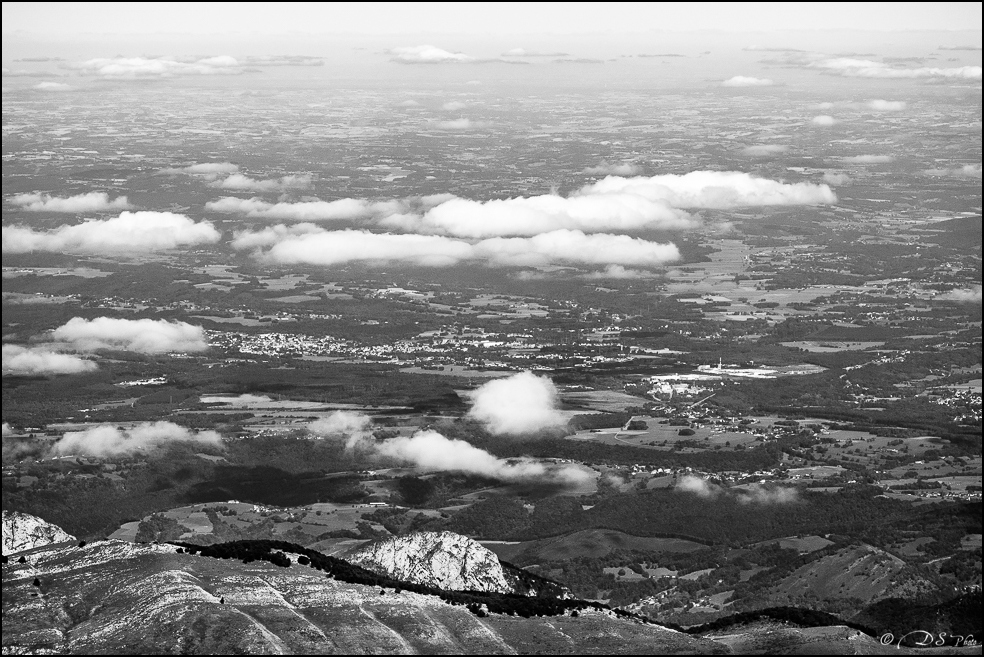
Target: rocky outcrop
(441, 559)
(22, 531)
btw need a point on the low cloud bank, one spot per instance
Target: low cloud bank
(745, 81)
(427, 54)
(432, 452)
(516, 405)
(158, 67)
(240, 182)
(887, 105)
(765, 150)
(91, 202)
(21, 360)
(965, 171)
(107, 440)
(309, 244)
(754, 494)
(867, 159)
(147, 336)
(131, 232)
(607, 169)
(824, 120)
(962, 295)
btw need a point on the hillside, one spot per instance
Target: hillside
(116, 597)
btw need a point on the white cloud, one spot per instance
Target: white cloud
(158, 67)
(430, 451)
(457, 124)
(539, 214)
(342, 209)
(865, 68)
(107, 440)
(867, 159)
(148, 336)
(519, 404)
(286, 246)
(765, 150)
(453, 106)
(697, 486)
(523, 52)
(42, 360)
(754, 494)
(714, 189)
(427, 54)
(7, 430)
(240, 182)
(744, 81)
(962, 295)
(53, 86)
(131, 232)
(824, 120)
(836, 178)
(887, 105)
(91, 202)
(759, 494)
(204, 169)
(965, 171)
(607, 169)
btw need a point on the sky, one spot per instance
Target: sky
(383, 18)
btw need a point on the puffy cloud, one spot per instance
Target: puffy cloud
(158, 67)
(836, 178)
(538, 214)
(519, 404)
(615, 204)
(8, 430)
(430, 451)
(107, 440)
(148, 336)
(457, 124)
(287, 246)
(427, 54)
(342, 209)
(41, 360)
(607, 169)
(453, 106)
(355, 426)
(962, 295)
(697, 486)
(131, 232)
(765, 150)
(714, 190)
(284, 60)
(754, 494)
(575, 247)
(251, 240)
(867, 159)
(617, 272)
(824, 120)
(965, 171)
(523, 52)
(866, 68)
(759, 494)
(211, 169)
(53, 86)
(91, 202)
(887, 105)
(239, 182)
(743, 81)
